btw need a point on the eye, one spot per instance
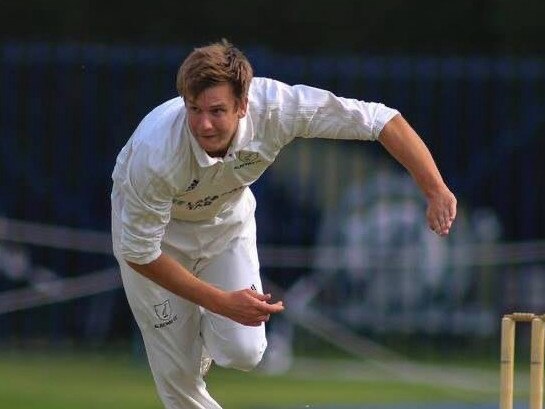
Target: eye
(218, 111)
(193, 109)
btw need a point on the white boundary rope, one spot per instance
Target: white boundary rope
(473, 254)
(67, 238)
(59, 290)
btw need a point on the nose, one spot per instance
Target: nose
(205, 124)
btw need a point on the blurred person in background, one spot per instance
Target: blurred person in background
(183, 222)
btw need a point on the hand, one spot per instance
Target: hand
(248, 307)
(441, 211)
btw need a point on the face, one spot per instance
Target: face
(213, 118)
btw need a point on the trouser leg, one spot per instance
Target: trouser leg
(170, 328)
(229, 343)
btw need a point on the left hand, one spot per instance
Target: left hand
(441, 211)
(248, 307)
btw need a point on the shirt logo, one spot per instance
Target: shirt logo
(204, 202)
(192, 185)
(164, 313)
(247, 158)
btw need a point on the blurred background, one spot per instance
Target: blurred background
(372, 295)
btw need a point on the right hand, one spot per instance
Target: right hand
(441, 211)
(248, 307)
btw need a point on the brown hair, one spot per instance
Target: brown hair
(215, 64)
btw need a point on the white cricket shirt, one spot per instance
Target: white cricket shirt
(166, 188)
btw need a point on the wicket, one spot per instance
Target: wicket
(537, 352)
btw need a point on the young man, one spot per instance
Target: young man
(183, 214)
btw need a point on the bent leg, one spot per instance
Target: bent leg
(229, 343)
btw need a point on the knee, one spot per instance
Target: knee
(243, 356)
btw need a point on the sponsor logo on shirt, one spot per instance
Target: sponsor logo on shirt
(247, 158)
(164, 313)
(205, 201)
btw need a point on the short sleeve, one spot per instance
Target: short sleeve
(342, 118)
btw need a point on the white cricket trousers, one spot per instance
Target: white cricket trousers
(175, 330)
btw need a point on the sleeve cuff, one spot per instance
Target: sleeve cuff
(384, 115)
(140, 258)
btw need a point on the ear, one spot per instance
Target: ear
(242, 107)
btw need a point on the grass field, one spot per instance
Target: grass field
(92, 381)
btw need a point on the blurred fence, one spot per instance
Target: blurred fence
(66, 110)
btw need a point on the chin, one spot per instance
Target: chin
(214, 151)
(216, 154)
(214, 148)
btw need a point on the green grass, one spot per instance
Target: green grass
(82, 382)
(275, 392)
(85, 381)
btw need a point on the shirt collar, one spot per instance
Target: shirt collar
(243, 136)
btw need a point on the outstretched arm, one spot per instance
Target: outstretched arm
(244, 306)
(404, 144)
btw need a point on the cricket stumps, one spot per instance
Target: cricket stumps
(537, 352)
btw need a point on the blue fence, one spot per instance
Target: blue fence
(66, 110)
